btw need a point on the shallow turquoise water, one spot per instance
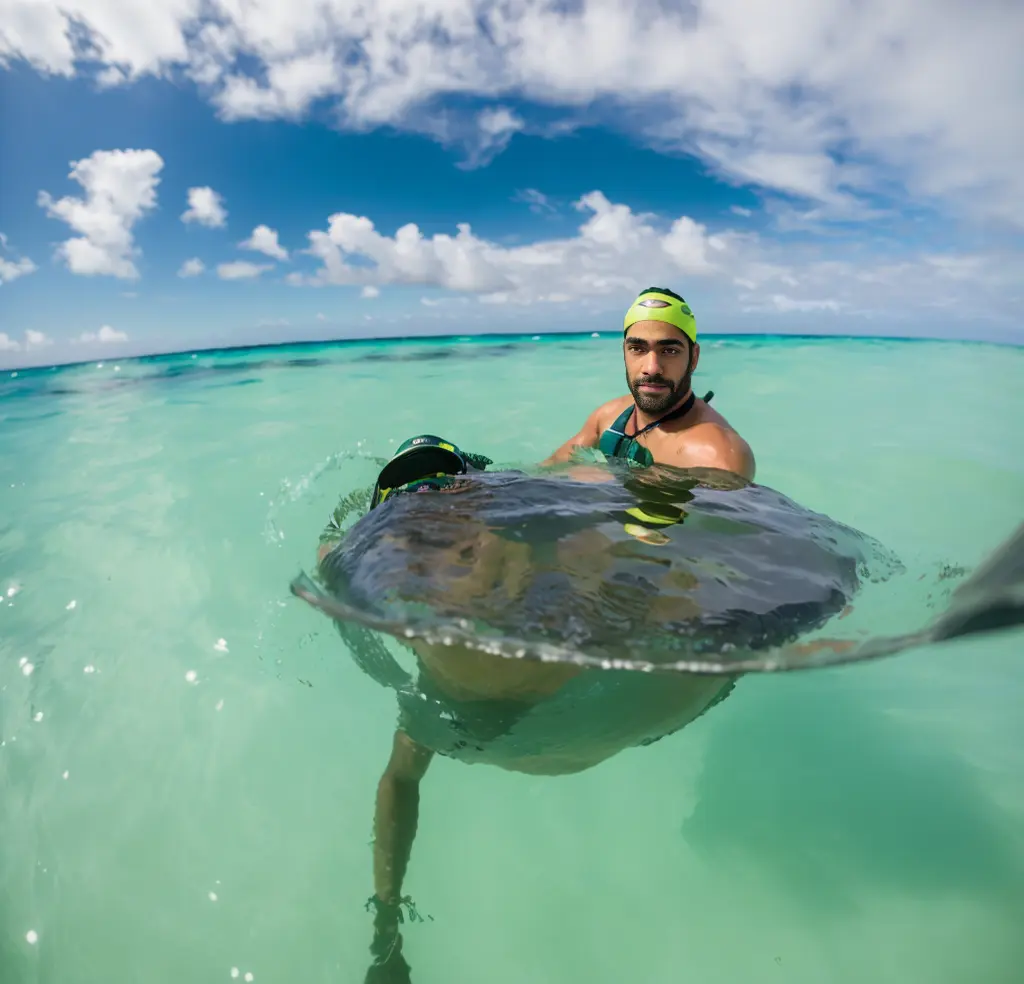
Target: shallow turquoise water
(189, 758)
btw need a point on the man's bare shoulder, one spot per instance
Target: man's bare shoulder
(713, 443)
(606, 413)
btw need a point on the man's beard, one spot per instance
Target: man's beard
(661, 402)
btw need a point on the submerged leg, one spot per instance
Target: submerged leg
(397, 814)
(394, 828)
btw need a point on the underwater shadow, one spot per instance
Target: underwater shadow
(833, 796)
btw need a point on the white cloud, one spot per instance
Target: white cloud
(958, 267)
(461, 262)
(192, 267)
(264, 240)
(120, 187)
(120, 38)
(241, 270)
(616, 251)
(740, 210)
(784, 303)
(294, 82)
(369, 292)
(33, 340)
(495, 127)
(36, 339)
(828, 100)
(687, 243)
(12, 269)
(537, 200)
(206, 207)
(106, 336)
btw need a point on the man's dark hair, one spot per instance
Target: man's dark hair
(662, 290)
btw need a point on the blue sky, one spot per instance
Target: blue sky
(396, 169)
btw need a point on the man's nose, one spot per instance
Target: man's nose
(651, 364)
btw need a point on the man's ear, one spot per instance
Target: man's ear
(694, 355)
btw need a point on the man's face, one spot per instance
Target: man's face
(658, 365)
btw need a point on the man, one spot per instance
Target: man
(662, 421)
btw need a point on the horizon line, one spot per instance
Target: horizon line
(529, 335)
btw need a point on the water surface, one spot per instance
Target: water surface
(189, 756)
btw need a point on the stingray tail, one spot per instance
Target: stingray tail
(990, 600)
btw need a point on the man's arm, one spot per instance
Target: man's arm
(585, 437)
(588, 436)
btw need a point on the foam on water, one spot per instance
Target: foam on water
(188, 772)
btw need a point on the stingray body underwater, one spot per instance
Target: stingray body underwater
(545, 567)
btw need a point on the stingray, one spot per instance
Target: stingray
(653, 571)
(558, 621)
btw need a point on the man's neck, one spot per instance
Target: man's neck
(642, 419)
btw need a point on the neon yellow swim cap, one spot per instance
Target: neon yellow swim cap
(661, 304)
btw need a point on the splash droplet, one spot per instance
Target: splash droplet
(89, 669)
(220, 704)
(221, 645)
(27, 669)
(191, 676)
(71, 604)
(38, 716)
(212, 896)
(32, 936)
(234, 970)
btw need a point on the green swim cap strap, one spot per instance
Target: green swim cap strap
(660, 304)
